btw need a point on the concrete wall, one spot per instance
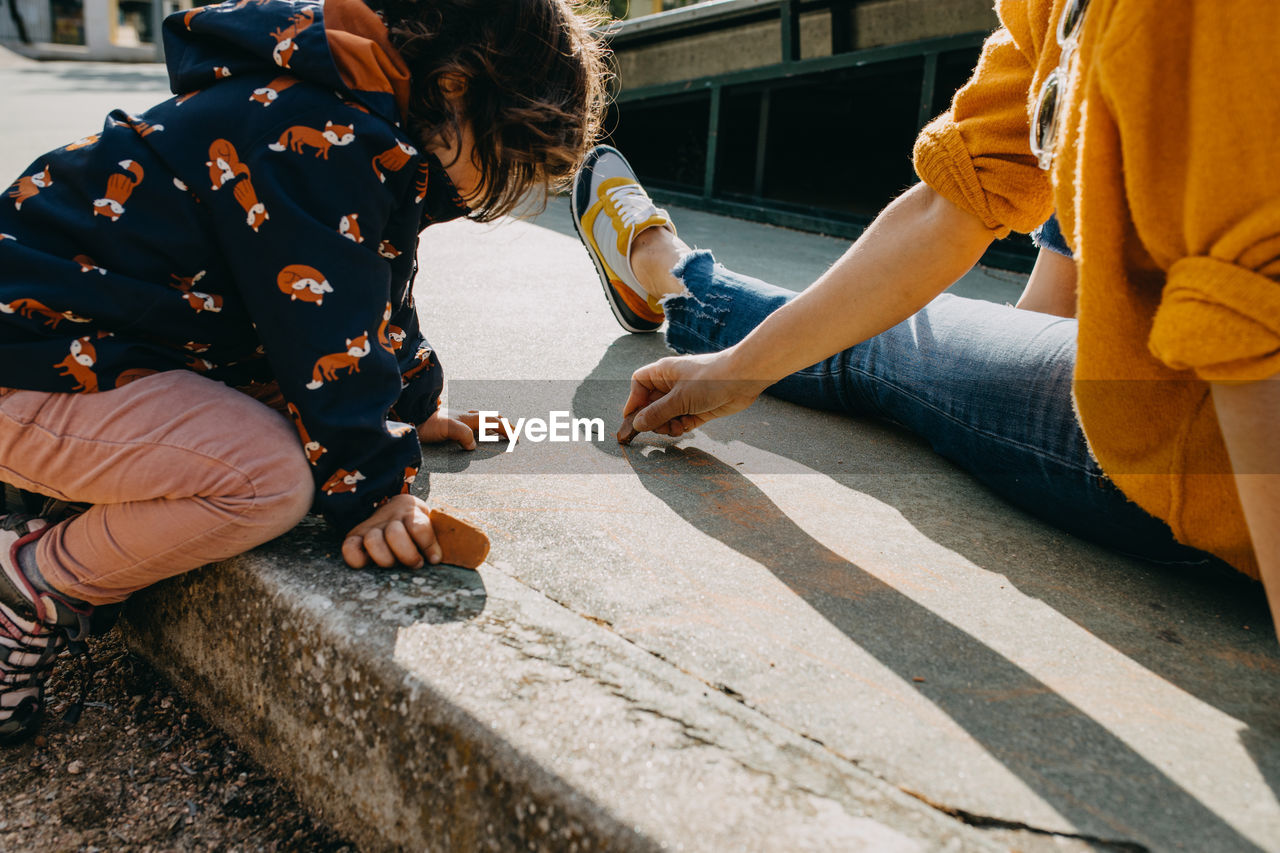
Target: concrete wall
(740, 47)
(35, 14)
(895, 21)
(734, 48)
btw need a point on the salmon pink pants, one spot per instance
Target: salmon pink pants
(180, 471)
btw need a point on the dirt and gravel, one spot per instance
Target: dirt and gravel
(141, 771)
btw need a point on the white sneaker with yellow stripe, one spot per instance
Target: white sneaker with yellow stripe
(609, 209)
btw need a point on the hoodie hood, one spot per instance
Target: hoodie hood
(338, 44)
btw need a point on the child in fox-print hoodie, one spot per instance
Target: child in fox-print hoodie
(257, 232)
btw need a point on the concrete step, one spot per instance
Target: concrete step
(453, 710)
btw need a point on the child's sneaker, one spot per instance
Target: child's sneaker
(36, 624)
(609, 209)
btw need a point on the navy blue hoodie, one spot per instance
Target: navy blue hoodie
(260, 226)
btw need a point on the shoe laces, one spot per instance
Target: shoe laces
(28, 652)
(40, 658)
(44, 640)
(631, 203)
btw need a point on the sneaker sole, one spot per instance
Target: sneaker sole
(624, 315)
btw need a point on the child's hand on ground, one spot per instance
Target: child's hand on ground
(442, 426)
(398, 533)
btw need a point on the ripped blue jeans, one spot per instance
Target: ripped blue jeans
(987, 385)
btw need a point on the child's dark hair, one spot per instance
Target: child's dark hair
(535, 78)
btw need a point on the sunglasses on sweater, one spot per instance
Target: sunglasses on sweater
(1044, 130)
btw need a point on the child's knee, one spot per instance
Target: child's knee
(284, 489)
(267, 480)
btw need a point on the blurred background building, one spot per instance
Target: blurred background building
(123, 30)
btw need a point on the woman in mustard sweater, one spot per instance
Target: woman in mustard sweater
(1145, 127)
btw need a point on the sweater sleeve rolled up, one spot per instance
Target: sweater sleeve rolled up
(1212, 216)
(1220, 320)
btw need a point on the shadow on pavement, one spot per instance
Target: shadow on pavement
(1070, 760)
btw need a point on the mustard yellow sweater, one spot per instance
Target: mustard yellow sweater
(1167, 185)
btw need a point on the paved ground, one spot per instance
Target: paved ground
(863, 593)
(792, 622)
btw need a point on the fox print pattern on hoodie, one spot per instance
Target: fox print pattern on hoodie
(198, 221)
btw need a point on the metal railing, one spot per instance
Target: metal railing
(768, 81)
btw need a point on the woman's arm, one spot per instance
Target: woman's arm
(1051, 289)
(1247, 414)
(916, 248)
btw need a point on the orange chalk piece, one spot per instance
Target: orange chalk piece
(462, 543)
(627, 431)
(472, 420)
